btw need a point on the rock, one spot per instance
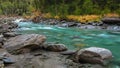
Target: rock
(1, 45)
(113, 21)
(8, 60)
(94, 55)
(7, 27)
(56, 47)
(10, 34)
(68, 52)
(36, 19)
(23, 42)
(1, 38)
(12, 25)
(2, 64)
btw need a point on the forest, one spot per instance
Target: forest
(59, 7)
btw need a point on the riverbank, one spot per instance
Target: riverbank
(107, 23)
(42, 57)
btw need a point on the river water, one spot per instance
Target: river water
(75, 38)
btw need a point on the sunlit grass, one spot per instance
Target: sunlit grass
(78, 18)
(84, 18)
(111, 15)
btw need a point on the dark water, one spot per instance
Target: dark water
(75, 38)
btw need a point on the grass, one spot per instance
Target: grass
(78, 18)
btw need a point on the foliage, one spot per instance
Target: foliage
(59, 8)
(84, 18)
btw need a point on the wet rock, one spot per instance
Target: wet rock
(70, 24)
(56, 47)
(113, 21)
(64, 25)
(94, 55)
(22, 43)
(24, 20)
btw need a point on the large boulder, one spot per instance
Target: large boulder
(94, 55)
(20, 43)
(113, 21)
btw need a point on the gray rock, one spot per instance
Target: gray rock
(10, 34)
(2, 64)
(1, 38)
(68, 52)
(112, 21)
(94, 55)
(8, 60)
(23, 43)
(56, 47)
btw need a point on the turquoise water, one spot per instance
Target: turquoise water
(75, 38)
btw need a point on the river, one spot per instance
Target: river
(75, 38)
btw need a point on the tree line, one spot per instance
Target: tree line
(59, 7)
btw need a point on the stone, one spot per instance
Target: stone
(10, 34)
(2, 64)
(36, 19)
(112, 21)
(94, 55)
(68, 52)
(22, 43)
(1, 40)
(8, 60)
(56, 47)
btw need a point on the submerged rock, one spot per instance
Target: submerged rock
(94, 55)
(23, 42)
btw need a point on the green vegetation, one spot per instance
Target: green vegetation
(60, 8)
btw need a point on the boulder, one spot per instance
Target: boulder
(94, 55)
(21, 43)
(56, 47)
(6, 27)
(113, 21)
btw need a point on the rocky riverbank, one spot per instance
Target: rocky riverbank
(32, 51)
(105, 23)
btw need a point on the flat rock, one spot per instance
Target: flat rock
(22, 43)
